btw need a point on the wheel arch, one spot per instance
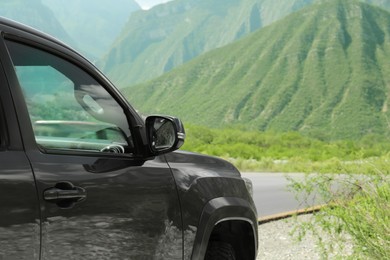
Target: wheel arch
(227, 219)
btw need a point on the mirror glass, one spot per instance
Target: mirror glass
(163, 134)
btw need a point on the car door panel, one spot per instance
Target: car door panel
(20, 224)
(130, 211)
(19, 211)
(128, 207)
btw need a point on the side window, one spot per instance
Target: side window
(68, 108)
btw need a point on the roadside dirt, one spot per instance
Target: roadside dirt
(276, 243)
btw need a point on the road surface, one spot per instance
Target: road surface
(271, 195)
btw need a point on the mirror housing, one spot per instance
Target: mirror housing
(165, 133)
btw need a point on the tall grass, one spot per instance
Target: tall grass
(354, 180)
(286, 152)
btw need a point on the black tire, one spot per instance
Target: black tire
(220, 251)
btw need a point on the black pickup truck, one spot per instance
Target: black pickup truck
(84, 176)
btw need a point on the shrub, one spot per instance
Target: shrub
(358, 207)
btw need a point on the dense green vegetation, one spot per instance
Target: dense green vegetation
(359, 199)
(286, 152)
(322, 71)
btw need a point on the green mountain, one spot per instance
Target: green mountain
(157, 40)
(94, 24)
(33, 13)
(385, 4)
(323, 71)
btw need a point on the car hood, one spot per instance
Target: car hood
(214, 176)
(201, 165)
(200, 179)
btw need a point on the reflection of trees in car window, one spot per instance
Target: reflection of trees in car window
(68, 108)
(55, 109)
(51, 97)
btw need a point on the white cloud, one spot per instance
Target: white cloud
(147, 4)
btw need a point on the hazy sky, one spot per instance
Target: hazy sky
(147, 4)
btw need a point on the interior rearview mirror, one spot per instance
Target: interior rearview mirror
(165, 133)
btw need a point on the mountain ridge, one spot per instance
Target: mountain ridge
(89, 26)
(316, 72)
(33, 13)
(93, 23)
(155, 41)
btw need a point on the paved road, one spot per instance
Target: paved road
(271, 195)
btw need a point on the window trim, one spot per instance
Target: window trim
(62, 52)
(4, 138)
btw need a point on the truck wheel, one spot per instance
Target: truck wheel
(220, 251)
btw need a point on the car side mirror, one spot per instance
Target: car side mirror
(165, 134)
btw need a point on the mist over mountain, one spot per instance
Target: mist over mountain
(33, 13)
(89, 26)
(157, 40)
(94, 24)
(323, 71)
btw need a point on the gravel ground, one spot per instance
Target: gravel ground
(275, 242)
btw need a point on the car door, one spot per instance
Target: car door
(98, 199)
(19, 205)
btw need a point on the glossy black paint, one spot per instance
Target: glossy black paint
(210, 190)
(19, 211)
(130, 211)
(19, 204)
(136, 206)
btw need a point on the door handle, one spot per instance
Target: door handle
(65, 194)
